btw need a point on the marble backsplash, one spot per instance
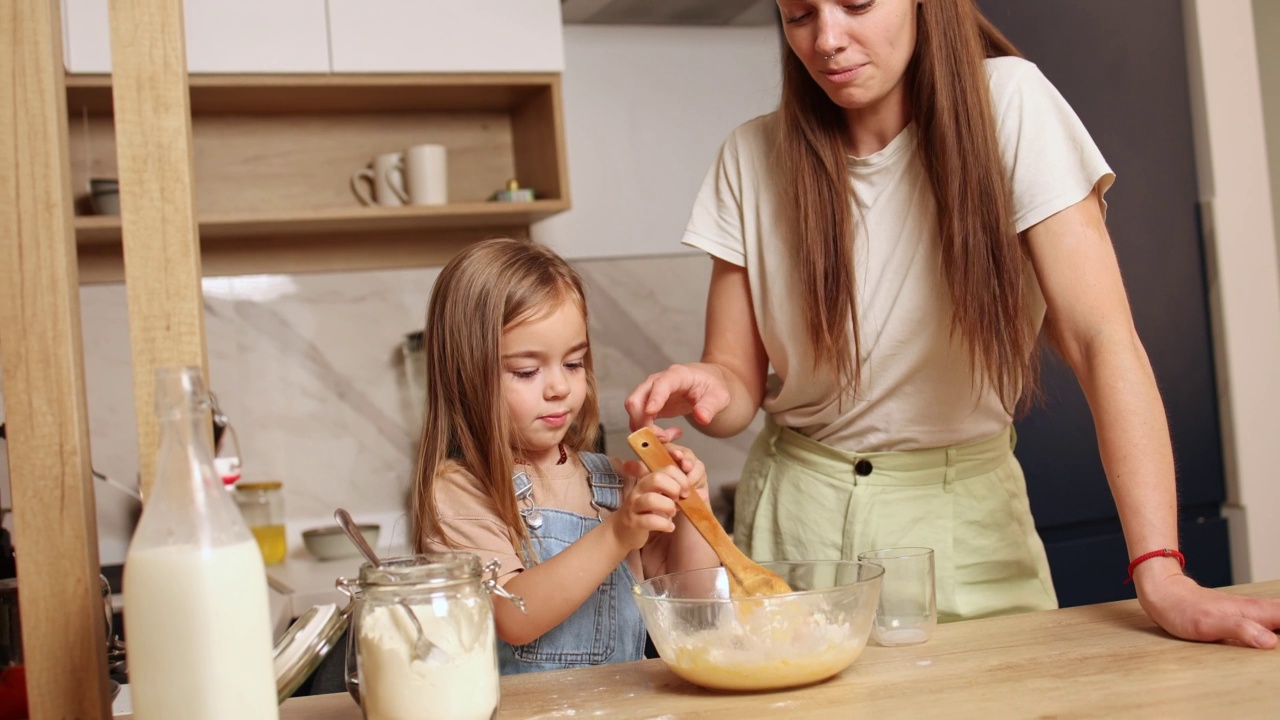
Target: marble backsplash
(311, 372)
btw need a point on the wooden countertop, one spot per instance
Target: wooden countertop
(1105, 660)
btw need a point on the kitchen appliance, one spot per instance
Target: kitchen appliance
(12, 682)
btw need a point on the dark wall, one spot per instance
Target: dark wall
(1123, 68)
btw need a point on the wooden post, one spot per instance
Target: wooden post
(157, 202)
(42, 357)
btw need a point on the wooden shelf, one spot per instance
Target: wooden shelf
(332, 240)
(270, 149)
(97, 229)
(327, 94)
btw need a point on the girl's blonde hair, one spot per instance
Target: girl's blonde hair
(982, 257)
(483, 291)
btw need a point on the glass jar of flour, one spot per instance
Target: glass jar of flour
(423, 639)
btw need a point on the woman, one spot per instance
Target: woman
(891, 242)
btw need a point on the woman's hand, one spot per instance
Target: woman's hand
(722, 393)
(1191, 612)
(693, 390)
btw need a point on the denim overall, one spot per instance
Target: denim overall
(607, 627)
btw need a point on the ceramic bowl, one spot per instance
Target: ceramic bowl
(331, 543)
(767, 642)
(104, 193)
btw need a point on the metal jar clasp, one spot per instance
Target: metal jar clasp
(491, 585)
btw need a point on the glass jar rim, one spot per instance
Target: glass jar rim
(434, 569)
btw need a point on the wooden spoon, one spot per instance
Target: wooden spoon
(746, 578)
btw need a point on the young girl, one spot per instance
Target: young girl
(505, 469)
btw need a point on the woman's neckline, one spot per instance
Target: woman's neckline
(904, 139)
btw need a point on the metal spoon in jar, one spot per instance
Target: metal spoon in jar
(422, 646)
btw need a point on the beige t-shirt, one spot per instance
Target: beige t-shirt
(917, 388)
(470, 519)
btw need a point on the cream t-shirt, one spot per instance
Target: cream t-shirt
(918, 388)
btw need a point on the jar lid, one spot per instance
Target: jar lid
(264, 485)
(445, 568)
(305, 645)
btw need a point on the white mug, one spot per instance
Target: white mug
(381, 177)
(424, 179)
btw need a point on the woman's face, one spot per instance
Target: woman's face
(856, 51)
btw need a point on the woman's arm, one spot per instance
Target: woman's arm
(1090, 324)
(722, 393)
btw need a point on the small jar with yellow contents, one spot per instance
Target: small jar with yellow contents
(262, 504)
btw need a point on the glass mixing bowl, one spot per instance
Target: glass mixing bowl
(762, 643)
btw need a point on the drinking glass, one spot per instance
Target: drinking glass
(908, 609)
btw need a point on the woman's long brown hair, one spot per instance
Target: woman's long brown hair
(482, 292)
(982, 257)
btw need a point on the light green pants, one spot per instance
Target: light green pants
(801, 500)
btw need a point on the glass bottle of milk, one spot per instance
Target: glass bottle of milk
(195, 589)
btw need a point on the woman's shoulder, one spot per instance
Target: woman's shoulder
(1008, 67)
(754, 134)
(1010, 75)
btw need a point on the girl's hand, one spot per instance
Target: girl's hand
(649, 505)
(1188, 611)
(677, 391)
(695, 472)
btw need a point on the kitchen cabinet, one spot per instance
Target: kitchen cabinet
(361, 36)
(223, 36)
(274, 155)
(445, 36)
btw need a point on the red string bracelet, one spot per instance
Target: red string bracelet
(1163, 552)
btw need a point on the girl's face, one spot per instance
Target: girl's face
(544, 379)
(856, 51)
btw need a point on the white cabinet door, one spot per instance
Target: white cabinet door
(86, 36)
(257, 36)
(446, 36)
(223, 36)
